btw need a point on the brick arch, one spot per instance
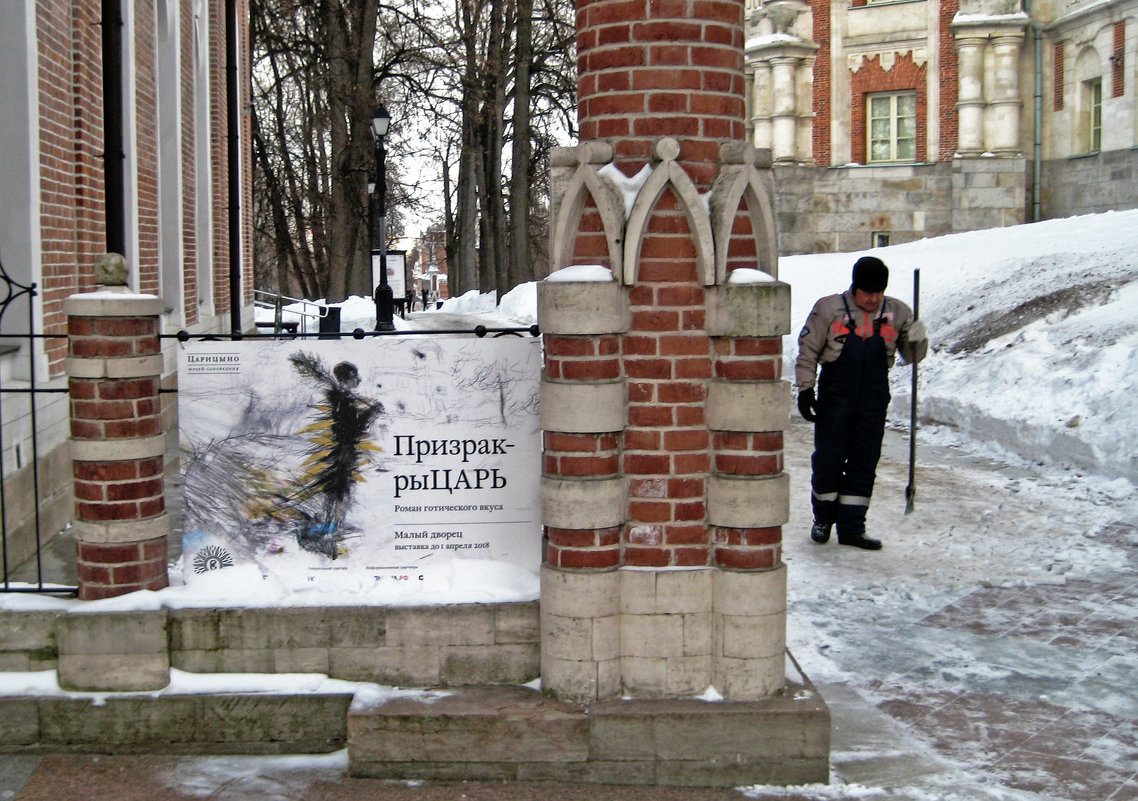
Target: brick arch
(870, 78)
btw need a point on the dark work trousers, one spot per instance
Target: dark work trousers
(853, 397)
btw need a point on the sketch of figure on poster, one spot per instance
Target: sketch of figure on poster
(346, 464)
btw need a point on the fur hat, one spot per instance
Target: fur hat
(870, 274)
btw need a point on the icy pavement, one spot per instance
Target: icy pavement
(989, 650)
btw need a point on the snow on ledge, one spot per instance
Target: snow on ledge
(629, 187)
(748, 275)
(582, 273)
(114, 294)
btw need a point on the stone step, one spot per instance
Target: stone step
(208, 723)
(516, 733)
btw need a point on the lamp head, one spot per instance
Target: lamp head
(380, 122)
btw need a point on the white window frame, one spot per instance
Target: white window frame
(1092, 90)
(894, 157)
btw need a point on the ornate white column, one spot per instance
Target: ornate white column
(1006, 106)
(763, 106)
(970, 103)
(785, 116)
(780, 56)
(805, 128)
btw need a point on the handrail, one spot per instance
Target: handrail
(277, 306)
(478, 331)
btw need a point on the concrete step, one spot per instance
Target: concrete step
(516, 733)
(208, 723)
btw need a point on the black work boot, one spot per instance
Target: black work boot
(820, 532)
(859, 541)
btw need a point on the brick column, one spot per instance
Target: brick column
(117, 444)
(663, 402)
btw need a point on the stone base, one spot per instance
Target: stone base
(232, 723)
(514, 733)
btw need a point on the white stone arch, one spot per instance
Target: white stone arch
(669, 173)
(735, 183)
(585, 183)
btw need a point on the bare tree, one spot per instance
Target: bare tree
(319, 69)
(518, 98)
(483, 91)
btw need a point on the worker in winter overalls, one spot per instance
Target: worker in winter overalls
(855, 337)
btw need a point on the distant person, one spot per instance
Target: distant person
(854, 337)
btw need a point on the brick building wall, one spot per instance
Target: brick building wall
(68, 58)
(55, 216)
(822, 83)
(188, 108)
(948, 77)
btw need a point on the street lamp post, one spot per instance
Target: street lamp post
(384, 298)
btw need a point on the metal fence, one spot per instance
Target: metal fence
(20, 479)
(23, 541)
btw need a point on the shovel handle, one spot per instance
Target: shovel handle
(911, 490)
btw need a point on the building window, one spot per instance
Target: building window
(892, 120)
(879, 239)
(1092, 91)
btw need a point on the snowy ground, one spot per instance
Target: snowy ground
(1026, 453)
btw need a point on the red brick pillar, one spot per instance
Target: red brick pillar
(663, 402)
(117, 443)
(747, 409)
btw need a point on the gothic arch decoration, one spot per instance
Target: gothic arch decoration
(669, 174)
(587, 182)
(738, 180)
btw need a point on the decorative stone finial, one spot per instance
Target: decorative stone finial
(111, 270)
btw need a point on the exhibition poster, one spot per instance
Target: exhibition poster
(345, 464)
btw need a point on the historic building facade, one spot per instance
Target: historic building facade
(893, 121)
(122, 132)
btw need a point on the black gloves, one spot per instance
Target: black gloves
(807, 405)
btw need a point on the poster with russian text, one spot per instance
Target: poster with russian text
(366, 466)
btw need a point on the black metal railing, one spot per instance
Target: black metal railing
(479, 331)
(12, 343)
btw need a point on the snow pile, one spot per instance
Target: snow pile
(1034, 333)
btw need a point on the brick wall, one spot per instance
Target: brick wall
(70, 149)
(190, 265)
(1058, 55)
(823, 79)
(871, 78)
(639, 79)
(144, 74)
(219, 169)
(59, 168)
(1118, 62)
(948, 78)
